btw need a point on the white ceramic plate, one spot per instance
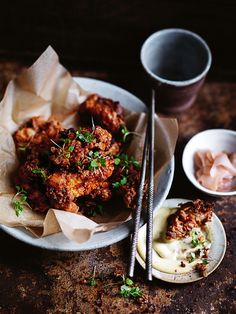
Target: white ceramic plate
(215, 140)
(59, 241)
(216, 253)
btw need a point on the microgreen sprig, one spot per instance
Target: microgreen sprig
(96, 160)
(67, 152)
(127, 290)
(84, 136)
(91, 281)
(41, 173)
(117, 184)
(125, 161)
(125, 132)
(196, 239)
(19, 203)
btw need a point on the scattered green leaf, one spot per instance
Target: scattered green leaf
(71, 148)
(116, 161)
(91, 281)
(21, 201)
(96, 160)
(84, 136)
(123, 181)
(192, 257)
(126, 132)
(125, 161)
(127, 290)
(41, 173)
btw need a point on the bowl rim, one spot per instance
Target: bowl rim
(191, 177)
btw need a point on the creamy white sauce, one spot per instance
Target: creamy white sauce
(168, 254)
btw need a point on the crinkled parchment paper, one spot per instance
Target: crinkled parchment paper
(47, 89)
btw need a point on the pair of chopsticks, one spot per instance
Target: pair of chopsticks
(148, 156)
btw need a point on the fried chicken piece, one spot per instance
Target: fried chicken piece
(103, 192)
(63, 188)
(31, 178)
(125, 181)
(74, 148)
(190, 215)
(105, 112)
(36, 134)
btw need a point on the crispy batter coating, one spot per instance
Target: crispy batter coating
(34, 137)
(63, 188)
(127, 191)
(190, 215)
(105, 112)
(74, 148)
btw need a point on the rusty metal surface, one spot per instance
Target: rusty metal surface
(37, 281)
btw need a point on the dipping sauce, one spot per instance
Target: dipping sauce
(176, 256)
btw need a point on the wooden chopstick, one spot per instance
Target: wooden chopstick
(148, 154)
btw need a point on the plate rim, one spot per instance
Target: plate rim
(24, 234)
(157, 273)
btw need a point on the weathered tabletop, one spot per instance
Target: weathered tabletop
(35, 281)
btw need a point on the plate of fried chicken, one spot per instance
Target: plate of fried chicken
(80, 170)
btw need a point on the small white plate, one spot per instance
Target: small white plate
(216, 253)
(215, 140)
(58, 241)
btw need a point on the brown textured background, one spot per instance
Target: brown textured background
(102, 39)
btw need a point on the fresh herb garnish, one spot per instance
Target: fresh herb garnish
(96, 160)
(21, 148)
(117, 161)
(127, 290)
(120, 183)
(125, 132)
(41, 173)
(197, 239)
(125, 161)
(192, 257)
(95, 210)
(71, 148)
(65, 140)
(18, 204)
(93, 164)
(205, 261)
(66, 152)
(91, 281)
(84, 136)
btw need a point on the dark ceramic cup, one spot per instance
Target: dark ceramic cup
(176, 61)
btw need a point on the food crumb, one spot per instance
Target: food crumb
(182, 264)
(202, 269)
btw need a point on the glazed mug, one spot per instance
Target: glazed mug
(177, 61)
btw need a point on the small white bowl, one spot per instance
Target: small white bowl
(215, 140)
